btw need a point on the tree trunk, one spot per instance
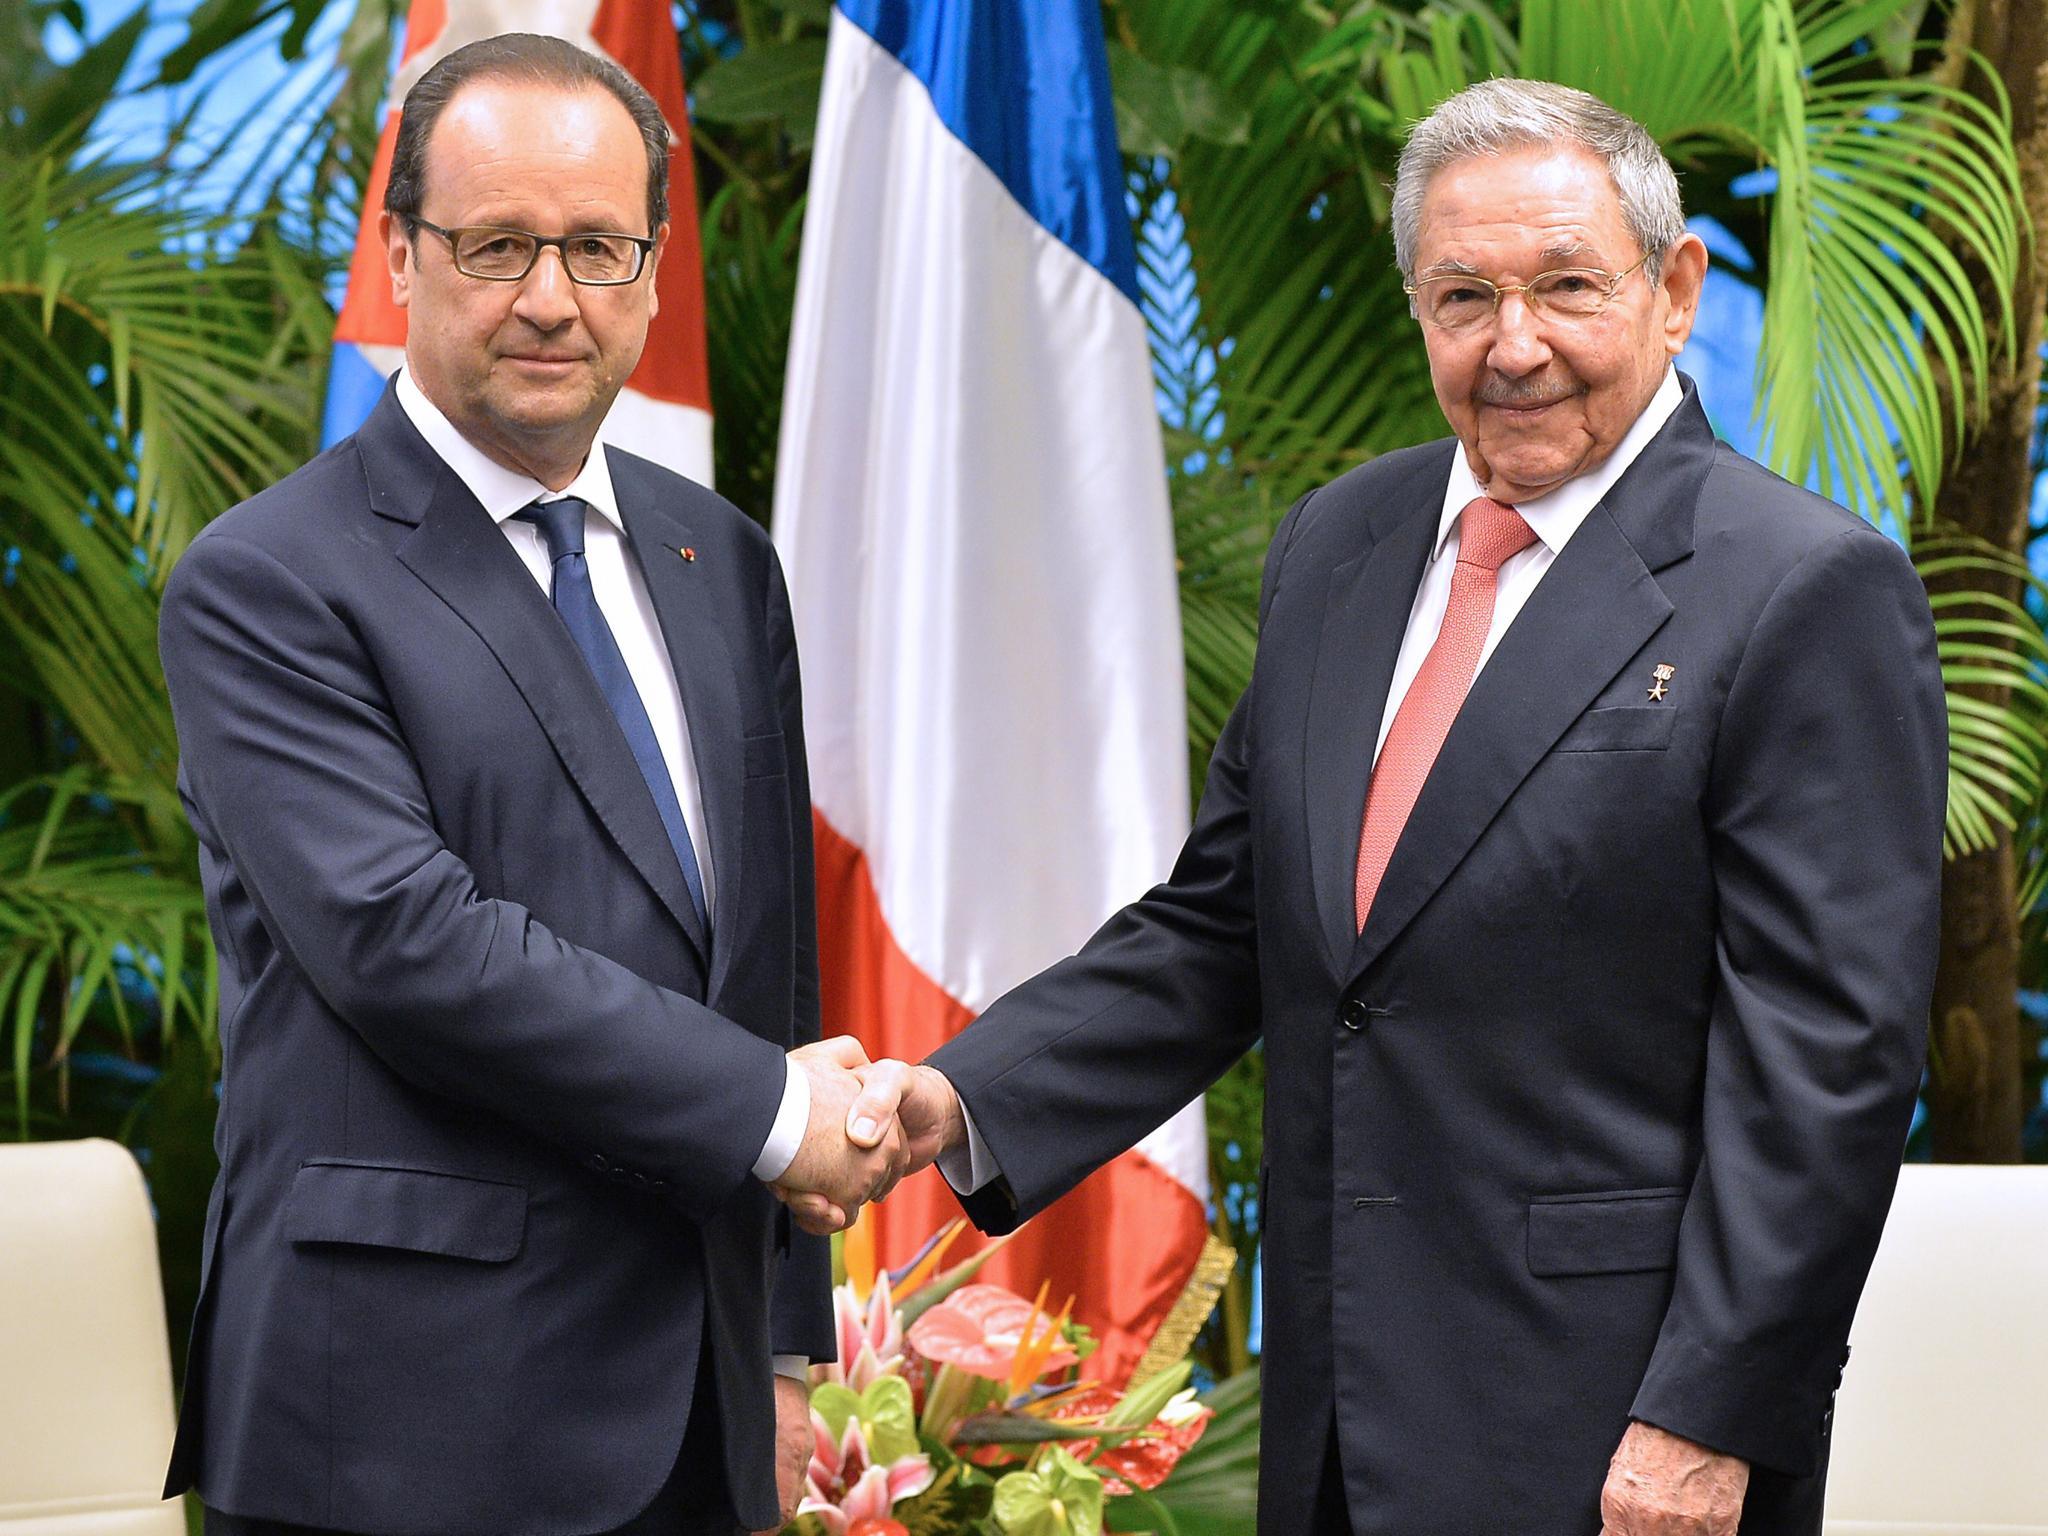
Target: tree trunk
(1974, 1051)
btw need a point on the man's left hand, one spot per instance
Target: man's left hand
(794, 1444)
(1659, 1484)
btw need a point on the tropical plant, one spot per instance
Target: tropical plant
(153, 370)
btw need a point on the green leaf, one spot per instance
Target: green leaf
(1004, 1428)
(58, 113)
(767, 82)
(1142, 1403)
(216, 25)
(1160, 107)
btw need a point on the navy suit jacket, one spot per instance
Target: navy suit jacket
(491, 1097)
(1601, 1114)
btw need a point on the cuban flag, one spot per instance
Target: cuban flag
(971, 507)
(664, 412)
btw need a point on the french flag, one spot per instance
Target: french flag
(971, 507)
(664, 412)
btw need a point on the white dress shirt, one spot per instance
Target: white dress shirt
(629, 614)
(1554, 517)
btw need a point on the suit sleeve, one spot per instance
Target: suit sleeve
(1825, 807)
(800, 1321)
(462, 994)
(1081, 1062)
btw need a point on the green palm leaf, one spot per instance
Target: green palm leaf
(1994, 664)
(78, 908)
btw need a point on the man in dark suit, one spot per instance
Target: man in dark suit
(1574, 851)
(491, 736)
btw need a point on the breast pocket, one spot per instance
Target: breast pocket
(1620, 728)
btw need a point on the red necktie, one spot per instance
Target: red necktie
(1489, 534)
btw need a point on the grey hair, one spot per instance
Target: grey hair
(1499, 116)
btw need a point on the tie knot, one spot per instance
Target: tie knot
(1492, 533)
(560, 522)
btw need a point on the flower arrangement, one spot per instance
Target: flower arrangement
(961, 1409)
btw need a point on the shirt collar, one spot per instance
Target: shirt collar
(501, 491)
(1555, 515)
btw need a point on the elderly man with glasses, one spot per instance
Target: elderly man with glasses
(1574, 853)
(492, 740)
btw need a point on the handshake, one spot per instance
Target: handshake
(871, 1124)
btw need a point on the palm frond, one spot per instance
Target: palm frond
(1994, 665)
(152, 378)
(92, 928)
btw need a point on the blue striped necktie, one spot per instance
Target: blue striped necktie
(561, 525)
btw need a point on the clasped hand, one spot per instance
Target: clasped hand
(871, 1124)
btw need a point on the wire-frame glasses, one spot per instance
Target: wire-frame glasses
(1457, 301)
(601, 259)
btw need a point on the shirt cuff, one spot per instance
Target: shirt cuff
(786, 1135)
(796, 1366)
(968, 1169)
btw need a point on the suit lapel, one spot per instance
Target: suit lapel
(1548, 667)
(1596, 607)
(1365, 615)
(704, 675)
(464, 557)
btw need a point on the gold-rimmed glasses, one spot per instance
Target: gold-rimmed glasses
(1458, 301)
(602, 259)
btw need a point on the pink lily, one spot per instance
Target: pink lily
(842, 1486)
(870, 1336)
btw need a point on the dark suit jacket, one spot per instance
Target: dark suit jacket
(491, 1098)
(1601, 1114)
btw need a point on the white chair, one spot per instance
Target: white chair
(1941, 1428)
(85, 1366)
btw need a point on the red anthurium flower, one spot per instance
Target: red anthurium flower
(980, 1329)
(1144, 1460)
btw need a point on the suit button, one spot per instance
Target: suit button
(1353, 1014)
(597, 1162)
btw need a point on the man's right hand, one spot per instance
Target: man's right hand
(850, 1155)
(916, 1104)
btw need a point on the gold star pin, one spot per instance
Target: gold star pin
(1663, 674)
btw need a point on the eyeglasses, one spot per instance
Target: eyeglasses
(1459, 302)
(506, 255)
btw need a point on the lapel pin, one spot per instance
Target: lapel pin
(688, 554)
(1663, 674)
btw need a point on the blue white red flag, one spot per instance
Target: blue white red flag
(971, 506)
